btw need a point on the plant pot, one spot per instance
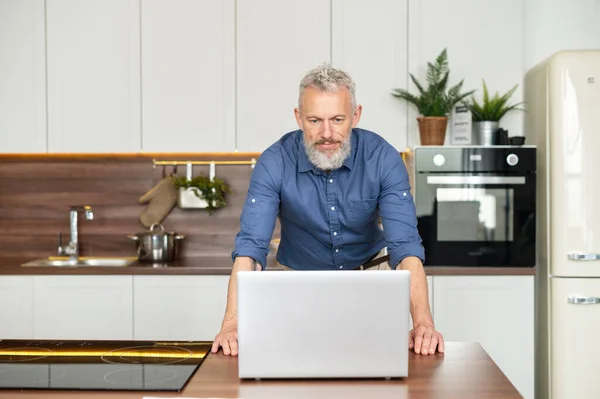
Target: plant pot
(187, 199)
(485, 133)
(432, 129)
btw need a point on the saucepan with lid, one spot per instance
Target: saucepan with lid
(157, 245)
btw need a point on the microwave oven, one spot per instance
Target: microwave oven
(476, 205)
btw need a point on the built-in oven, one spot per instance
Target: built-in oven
(476, 205)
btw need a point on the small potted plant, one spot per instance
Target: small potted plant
(210, 193)
(435, 102)
(486, 115)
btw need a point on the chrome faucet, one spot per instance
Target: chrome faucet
(72, 248)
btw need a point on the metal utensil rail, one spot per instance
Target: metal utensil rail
(251, 162)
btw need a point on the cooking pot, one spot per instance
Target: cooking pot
(157, 246)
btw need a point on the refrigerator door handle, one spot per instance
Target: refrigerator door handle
(582, 256)
(583, 300)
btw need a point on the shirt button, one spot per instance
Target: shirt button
(404, 193)
(333, 208)
(337, 250)
(341, 267)
(335, 233)
(330, 180)
(253, 200)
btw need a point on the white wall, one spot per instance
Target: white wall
(553, 25)
(484, 40)
(222, 76)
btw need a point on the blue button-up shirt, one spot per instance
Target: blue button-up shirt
(329, 221)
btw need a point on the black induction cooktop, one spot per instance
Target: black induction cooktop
(99, 365)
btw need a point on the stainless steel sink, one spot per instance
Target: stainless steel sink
(82, 262)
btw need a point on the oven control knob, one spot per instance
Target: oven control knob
(512, 159)
(439, 160)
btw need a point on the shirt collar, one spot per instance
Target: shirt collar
(304, 164)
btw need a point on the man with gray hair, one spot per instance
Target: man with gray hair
(329, 183)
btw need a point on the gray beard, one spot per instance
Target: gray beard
(324, 162)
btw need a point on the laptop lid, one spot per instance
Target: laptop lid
(323, 324)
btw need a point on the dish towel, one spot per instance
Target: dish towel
(161, 199)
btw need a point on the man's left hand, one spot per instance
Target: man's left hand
(424, 339)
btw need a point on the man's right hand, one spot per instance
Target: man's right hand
(227, 338)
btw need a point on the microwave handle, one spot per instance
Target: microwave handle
(458, 179)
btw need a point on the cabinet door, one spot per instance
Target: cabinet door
(479, 44)
(188, 75)
(277, 43)
(93, 76)
(22, 77)
(16, 307)
(179, 307)
(383, 32)
(83, 307)
(574, 333)
(495, 311)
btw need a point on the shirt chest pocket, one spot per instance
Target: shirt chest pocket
(362, 211)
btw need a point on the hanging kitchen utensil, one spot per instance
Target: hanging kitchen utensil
(212, 171)
(187, 198)
(155, 246)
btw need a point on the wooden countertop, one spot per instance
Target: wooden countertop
(215, 266)
(464, 371)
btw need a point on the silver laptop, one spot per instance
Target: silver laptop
(323, 324)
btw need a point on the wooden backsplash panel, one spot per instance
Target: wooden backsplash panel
(36, 193)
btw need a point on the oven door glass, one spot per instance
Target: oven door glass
(475, 214)
(470, 220)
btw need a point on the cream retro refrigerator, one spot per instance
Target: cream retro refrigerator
(563, 119)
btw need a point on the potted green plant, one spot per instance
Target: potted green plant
(434, 102)
(212, 193)
(486, 115)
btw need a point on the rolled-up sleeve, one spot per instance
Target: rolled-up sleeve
(397, 210)
(261, 206)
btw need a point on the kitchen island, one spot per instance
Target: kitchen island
(464, 371)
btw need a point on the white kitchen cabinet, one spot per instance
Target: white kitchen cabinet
(188, 75)
(479, 44)
(179, 307)
(369, 41)
(16, 307)
(495, 311)
(278, 42)
(83, 307)
(93, 71)
(22, 77)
